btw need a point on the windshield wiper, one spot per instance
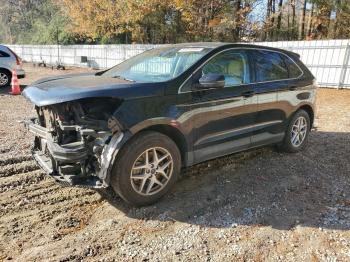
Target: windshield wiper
(123, 78)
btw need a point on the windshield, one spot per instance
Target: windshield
(157, 65)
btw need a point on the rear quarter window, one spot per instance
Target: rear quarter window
(4, 54)
(269, 66)
(293, 69)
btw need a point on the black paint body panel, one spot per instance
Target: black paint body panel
(209, 123)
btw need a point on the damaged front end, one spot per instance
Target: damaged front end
(76, 142)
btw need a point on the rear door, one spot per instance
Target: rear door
(6, 61)
(224, 116)
(271, 76)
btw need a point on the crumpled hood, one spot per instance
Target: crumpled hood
(61, 89)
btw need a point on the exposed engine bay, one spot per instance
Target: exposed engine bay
(75, 142)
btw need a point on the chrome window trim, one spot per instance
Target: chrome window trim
(216, 100)
(240, 48)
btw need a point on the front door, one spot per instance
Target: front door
(223, 116)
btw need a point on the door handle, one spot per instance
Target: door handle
(292, 88)
(248, 94)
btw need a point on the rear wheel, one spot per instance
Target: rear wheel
(146, 168)
(296, 137)
(5, 78)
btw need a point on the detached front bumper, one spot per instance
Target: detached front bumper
(69, 163)
(46, 163)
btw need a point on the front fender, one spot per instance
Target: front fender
(155, 121)
(109, 154)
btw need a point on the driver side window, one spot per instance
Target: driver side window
(233, 65)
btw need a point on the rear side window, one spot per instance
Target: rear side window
(269, 66)
(294, 70)
(4, 54)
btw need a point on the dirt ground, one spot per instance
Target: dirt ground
(259, 205)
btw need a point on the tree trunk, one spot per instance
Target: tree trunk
(292, 3)
(303, 21)
(329, 31)
(273, 18)
(237, 20)
(310, 20)
(336, 23)
(268, 19)
(288, 23)
(279, 19)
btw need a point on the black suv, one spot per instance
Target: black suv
(133, 127)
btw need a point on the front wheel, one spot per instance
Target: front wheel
(297, 134)
(146, 168)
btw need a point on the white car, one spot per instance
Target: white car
(9, 60)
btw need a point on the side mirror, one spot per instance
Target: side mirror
(212, 81)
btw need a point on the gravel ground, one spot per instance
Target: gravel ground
(259, 205)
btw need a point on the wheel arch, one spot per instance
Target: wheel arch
(310, 112)
(6, 70)
(174, 134)
(166, 126)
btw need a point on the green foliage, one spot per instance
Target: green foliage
(50, 27)
(33, 22)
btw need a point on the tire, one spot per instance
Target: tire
(140, 184)
(290, 143)
(5, 78)
(107, 194)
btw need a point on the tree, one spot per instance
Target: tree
(32, 21)
(310, 21)
(155, 21)
(95, 19)
(303, 21)
(279, 19)
(171, 21)
(322, 18)
(342, 22)
(293, 31)
(202, 17)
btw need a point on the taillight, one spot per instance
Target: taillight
(18, 59)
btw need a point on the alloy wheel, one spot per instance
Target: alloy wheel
(151, 171)
(3, 79)
(299, 130)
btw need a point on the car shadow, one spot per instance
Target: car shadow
(262, 187)
(7, 89)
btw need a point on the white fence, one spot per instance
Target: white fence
(327, 59)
